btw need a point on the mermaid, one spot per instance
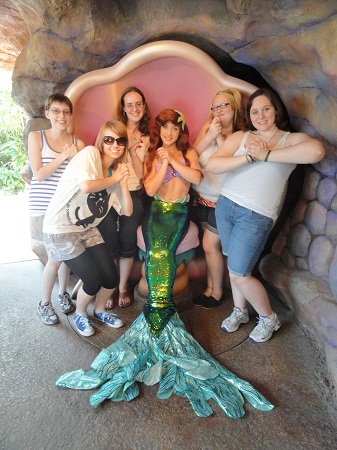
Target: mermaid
(157, 347)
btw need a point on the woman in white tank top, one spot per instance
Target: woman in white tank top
(49, 153)
(258, 163)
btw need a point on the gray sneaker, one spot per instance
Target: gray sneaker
(66, 305)
(265, 328)
(47, 314)
(233, 322)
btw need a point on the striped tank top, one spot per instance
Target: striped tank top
(41, 192)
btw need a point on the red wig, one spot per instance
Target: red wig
(167, 115)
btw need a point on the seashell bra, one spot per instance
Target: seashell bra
(170, 172)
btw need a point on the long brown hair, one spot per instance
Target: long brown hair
(167, 115)
(122, 117)
(118, 128)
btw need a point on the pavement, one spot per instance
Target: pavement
(289, 370)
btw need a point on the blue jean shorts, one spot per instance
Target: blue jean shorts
(243, 235)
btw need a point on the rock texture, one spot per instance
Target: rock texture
(288, 45)
(14, 33)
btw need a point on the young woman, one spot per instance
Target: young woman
(94, 181)
(171, 166)
(120, 233)
(49, 153)
(225, 118)
(157, 348)
(259, 163)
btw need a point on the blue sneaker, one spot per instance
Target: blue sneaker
(83, 324)
(109, 318)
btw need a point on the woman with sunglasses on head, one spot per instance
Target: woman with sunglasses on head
(49, 153)
(259, 163)
(94, 181)
(120, 233)
(157, 348)
(225, 118)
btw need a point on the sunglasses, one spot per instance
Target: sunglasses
(109, 140)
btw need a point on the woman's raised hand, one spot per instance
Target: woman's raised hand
(122, 173)
(69, 150)
(163, 154)
(215, 128)
(258, 149)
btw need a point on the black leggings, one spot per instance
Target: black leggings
(96, 268)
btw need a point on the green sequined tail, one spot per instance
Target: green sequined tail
(163, 229)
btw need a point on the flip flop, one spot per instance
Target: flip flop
(124, 300)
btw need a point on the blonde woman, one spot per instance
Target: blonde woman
(225, 118)
(94, 181)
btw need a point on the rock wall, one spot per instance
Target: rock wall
(288, 44)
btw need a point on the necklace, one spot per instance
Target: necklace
(258, 133)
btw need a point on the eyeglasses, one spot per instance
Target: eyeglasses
(221, 106)
(109, 140)
(134, 105)
(57, 112)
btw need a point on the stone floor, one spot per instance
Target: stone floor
(289, 370)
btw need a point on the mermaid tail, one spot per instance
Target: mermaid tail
(163, 229)
(175, 360)
(157, 348)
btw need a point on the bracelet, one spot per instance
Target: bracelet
(267, 156)
(251, 159)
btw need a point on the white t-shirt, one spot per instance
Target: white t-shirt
(71, 210)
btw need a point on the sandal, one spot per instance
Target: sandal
(124, 300)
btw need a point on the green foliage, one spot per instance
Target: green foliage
(12, 153)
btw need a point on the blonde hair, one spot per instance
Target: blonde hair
(235, 100)
(118, 128)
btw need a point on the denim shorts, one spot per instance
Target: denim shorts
(243, 235)
(206, 215)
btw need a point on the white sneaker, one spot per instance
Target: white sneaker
(47, 313)
(265, 328)
(66, 305)
(233, 322)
